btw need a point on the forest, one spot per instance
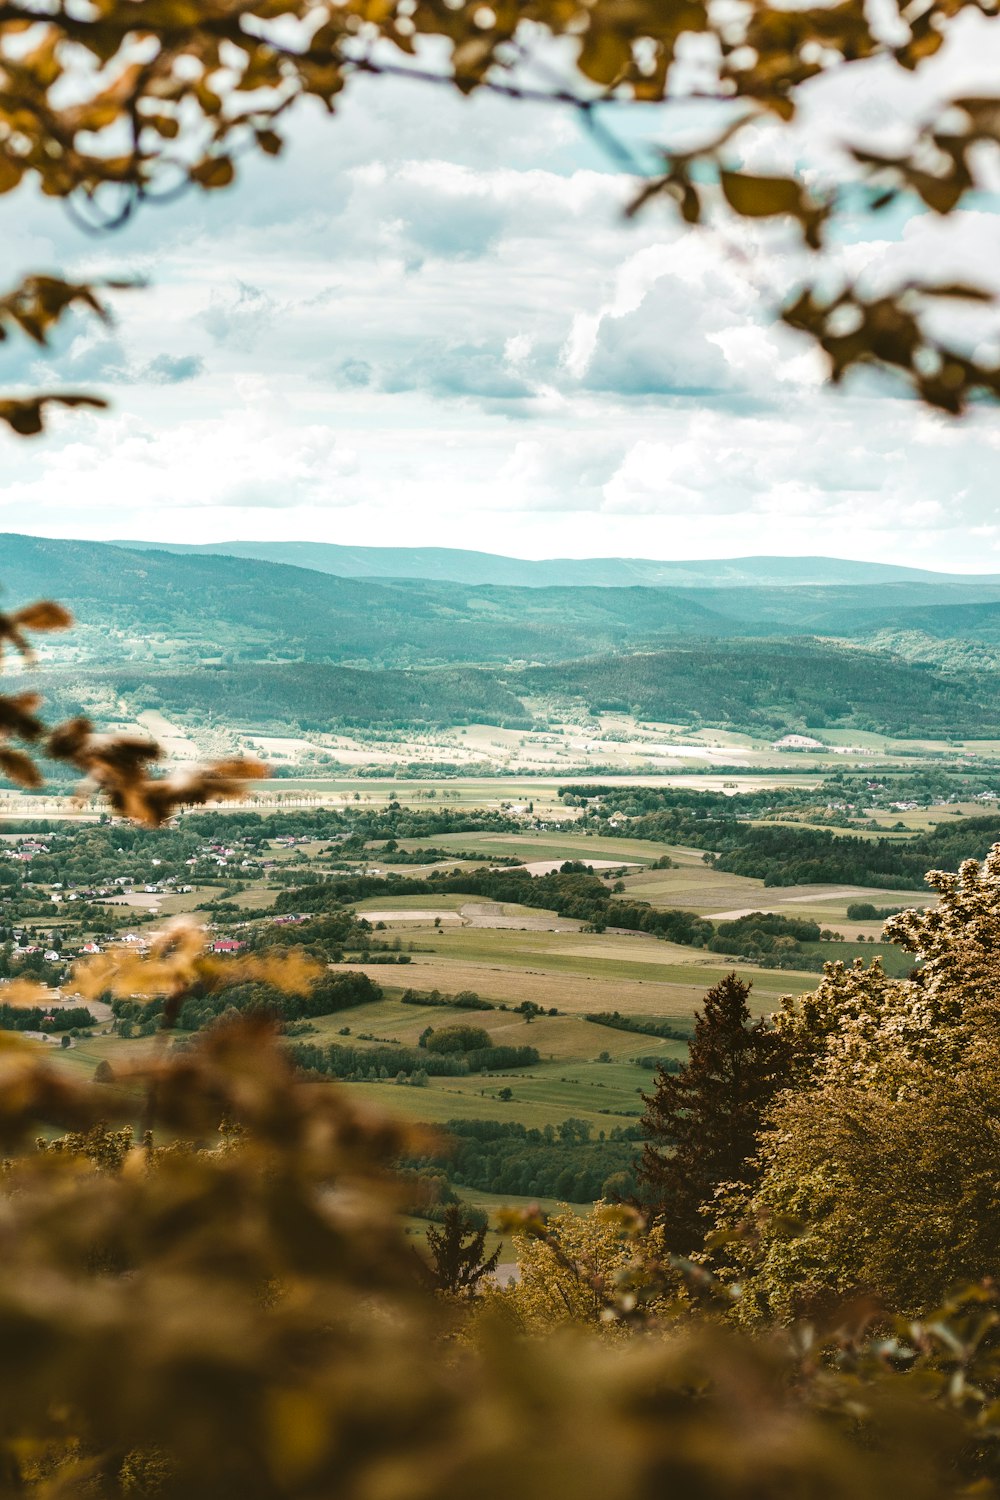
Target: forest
(761, 687)
(782, 853)
(260, 644)
(564, 1163)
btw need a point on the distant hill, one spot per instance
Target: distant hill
(187, 608)
(453, 565)
(763, 687)
(766, 685)
(253, 641)
(311, 695)
(179, 609)
(970, 621)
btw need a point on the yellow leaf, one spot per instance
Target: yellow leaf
(760, 197)
(214, 172)
(10, 174)
(605, 55)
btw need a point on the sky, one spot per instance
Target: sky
(429, 323)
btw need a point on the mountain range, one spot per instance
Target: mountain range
(255, 641)
(455, 565)
(184, 608)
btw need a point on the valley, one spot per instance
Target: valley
(553, 814)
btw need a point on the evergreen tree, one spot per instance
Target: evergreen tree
(702, 1122)
(458, 1253)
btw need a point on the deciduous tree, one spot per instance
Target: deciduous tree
(877, 1167)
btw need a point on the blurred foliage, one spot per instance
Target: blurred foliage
(126, 101)
(244, 1314)
(230, 1303)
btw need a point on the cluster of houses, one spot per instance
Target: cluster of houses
(25, 944)
(25, 850)
(222, 855)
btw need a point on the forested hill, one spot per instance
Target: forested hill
(186, 608)
(183, 609)
(765, 684)
(764, 687)
(310, 695)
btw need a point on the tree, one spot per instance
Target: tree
(572, 1266)
(865, 1193)
(702, 1123)
(457, 1038)
(877, 1166)
(458, 1253)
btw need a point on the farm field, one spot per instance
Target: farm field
(695, 886)
(573, 970)
(358, 838)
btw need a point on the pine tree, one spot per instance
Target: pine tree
(458, 1253)
(702, 1123)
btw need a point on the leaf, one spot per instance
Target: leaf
(26, 415)
(25, 994)
(11, 173)
(45, 615)
(214, 172)
(761, 197)
(959, 289)
(20, 768)
(605, 55)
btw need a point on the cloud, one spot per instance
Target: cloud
(237, 317)
(172, 369)
(476, 370)
(430, 313)
(96, 357)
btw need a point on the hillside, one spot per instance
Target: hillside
(972, 622)
(181, 609)
(185, 608)
(767, 685)
(763, 687)
(310, 694)
(261, 641)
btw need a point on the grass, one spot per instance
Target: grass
(695, 886)
(508, 953)
(430, 902)
(603, 1094)
(568, 1079)
(529, 846)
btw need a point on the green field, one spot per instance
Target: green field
(508, 953)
